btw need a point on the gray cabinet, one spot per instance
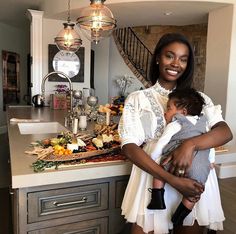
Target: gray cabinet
(85, 207)
(95, 226)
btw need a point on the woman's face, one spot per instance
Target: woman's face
(173, 61)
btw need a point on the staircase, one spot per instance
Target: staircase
(135, 54)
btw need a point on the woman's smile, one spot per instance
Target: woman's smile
(171, 72)
(173, 61)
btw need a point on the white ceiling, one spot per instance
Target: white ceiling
(12, 12)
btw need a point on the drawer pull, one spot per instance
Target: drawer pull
(59, 204)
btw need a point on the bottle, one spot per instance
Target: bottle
(82, 122)
(75, 126)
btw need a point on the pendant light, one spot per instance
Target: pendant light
(68, 39)
(96, 21)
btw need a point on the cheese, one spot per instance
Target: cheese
(72, 146)
(80, 142)
(97, 142)
(106, 138)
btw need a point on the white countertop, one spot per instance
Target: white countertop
(22, 173)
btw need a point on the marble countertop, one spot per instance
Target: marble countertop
(22, 172)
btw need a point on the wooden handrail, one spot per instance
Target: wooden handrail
(138, 54)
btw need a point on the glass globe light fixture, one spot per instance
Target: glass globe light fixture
(96, 21)
(68, 39)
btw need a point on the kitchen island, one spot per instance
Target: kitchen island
(78, 199)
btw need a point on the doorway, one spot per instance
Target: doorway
(11, 79)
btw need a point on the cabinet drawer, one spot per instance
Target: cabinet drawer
(64, 202)
(96, 226)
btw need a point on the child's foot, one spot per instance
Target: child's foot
(180, 214)
(157, 199)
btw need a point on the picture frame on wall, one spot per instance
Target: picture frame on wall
(72, 64)
(11, 78)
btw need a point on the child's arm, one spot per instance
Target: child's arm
(170, 130)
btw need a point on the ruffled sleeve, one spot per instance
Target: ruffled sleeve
(213, 113)
(130, 125)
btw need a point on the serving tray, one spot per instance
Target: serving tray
(81, 155)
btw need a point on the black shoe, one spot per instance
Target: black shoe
(180, 214)
(209, 231)
(157, 199)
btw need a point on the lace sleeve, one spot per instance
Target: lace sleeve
(130, 126)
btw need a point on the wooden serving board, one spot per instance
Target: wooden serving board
(62, 158)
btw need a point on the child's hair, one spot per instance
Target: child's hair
(188, 98)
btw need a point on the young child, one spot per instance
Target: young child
(184, 120)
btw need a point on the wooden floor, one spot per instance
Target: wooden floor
(228, 197)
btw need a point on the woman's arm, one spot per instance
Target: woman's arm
(187, 187)
(181, 157)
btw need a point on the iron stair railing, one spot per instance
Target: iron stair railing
(138, 54)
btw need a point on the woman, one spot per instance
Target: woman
(142, 123)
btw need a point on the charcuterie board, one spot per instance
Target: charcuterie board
(81, 155)
(67, 148)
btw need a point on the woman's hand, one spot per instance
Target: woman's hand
(189, 188)
(180, 159)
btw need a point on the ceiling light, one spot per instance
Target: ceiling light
(96, 21)
(68, 39)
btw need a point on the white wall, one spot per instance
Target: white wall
(109, 65)
(117, 69)
(14, 40)
(50, 30)
(230, 113)
(101, 70)
(220, 82)
(217, 57)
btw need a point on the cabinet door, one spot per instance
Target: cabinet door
(116, 221)
(96, 226)
(120, 191)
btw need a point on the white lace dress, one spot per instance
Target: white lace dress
(143, 122)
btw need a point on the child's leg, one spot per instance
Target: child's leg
(156, 183)
(188, 203)
(182, 211)
(198, 171)
(157, 197)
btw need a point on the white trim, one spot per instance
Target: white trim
(226, 163)
(226, 170)
(36, 51)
